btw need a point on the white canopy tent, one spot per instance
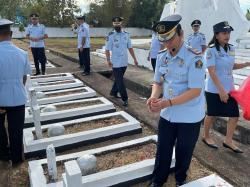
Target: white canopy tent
(209, 12)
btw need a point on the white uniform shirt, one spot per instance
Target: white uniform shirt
(36, 31)
(196, 41)
(83, 32)
(155, 46)
(223, 62)
(182, 72)
(14, 64)
(118, 43)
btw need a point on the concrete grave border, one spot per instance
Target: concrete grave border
(74, 96)
(121, 175)
(77, 83)
(211, 180)
(69, 114)
(47, 78)
(64, 142)
(48, 65)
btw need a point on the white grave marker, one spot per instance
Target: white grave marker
(73, 176)
(36, 113)
(51, 159)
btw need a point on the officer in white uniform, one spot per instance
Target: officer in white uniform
(155, 47)
(83, 45)
(197, 40)
(180, 72)
(220, 63)
(14, 66)
(36, 34)
(117, 42)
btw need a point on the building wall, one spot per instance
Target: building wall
(94, 32)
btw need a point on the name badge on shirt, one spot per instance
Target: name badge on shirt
(209, 54)
(199, 64)
(166, 61)
(170, 92)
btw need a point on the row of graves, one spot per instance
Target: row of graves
(64, 114)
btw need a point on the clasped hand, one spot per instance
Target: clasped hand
(156, 105)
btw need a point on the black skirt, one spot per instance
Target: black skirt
(215, 107)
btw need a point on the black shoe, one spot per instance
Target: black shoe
(178, 184)
(43, 73)
(214, 146)
(114, 95)
(125, 103)
(38, 73)
(237, 150)
(85, 74)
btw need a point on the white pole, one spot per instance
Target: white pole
(35, 109)
(33, 97)
(51, 161)
(37, 123)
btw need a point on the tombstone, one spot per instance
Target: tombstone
(49, 108)
(36, 113)
(51, 162)
(40, 95)
(33, 97)
(87, 164)
(37, 121)
(56, 130)
(28, 84)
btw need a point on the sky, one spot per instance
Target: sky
(84, 4)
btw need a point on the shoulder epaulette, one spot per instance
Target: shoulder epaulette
(230, 44)
(126, 32)
(211, 46)
(164, 50)
(112, 32)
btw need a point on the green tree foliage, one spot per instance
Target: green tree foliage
(21, 27)
(52, 12)
(102, 11)
(145, 12)
(8, 8)
(137, 13)
(248, 14)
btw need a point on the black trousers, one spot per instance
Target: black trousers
(184, 137)
(84, 59)
(119, 85)
(153, 63)
(15, 117)
(39, 57)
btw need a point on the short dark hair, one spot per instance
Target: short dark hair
(5, 30)
(216, 43)
(178, 29)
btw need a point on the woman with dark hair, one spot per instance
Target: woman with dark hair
(220, 64)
